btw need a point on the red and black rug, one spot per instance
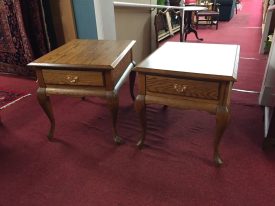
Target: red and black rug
(10, 97)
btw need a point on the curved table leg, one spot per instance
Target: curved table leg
(141, 110)
(222, 119)
(185, 36)
(45, 103)
(132, 78)
(196, 33)
(188, 28)
(113, 100)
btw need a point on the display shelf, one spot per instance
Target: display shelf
(268, 23)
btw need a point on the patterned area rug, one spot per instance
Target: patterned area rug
(8, 98)
(22, 35)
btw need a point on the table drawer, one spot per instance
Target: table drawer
(68, 77)
(183, 87)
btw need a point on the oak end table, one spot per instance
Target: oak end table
(85, 68)
(196, 76)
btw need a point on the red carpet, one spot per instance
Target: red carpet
(8, 98)
(83, 166)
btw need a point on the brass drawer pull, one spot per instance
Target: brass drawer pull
(180, 88)
(72, 79)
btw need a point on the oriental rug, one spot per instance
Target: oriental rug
(22, 35)
(8, 98)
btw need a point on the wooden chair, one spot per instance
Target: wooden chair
(210, 16)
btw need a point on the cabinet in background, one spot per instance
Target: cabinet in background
(173, 26)
(268, 23)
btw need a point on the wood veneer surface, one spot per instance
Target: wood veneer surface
(101, 54)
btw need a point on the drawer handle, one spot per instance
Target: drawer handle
(180, 88)
(72, 79)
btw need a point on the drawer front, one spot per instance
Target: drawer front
(67, 77)
(183, 87)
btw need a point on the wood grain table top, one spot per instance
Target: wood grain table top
(78, 53)
(194, 60)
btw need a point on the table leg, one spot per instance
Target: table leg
(45, 103)
(185, 36)
(188, 26)
(181, 31)
(188, 30)
(132, 78)
(113, 101)
(141, 110)
(196, 33)
(222, 119)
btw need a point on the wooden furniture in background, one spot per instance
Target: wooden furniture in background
(63, 21)
(188, 27)
(268, 23)
(210, 16)
(85, 68)
(173, 76)
(173, 20)
(161, 28)
(163, 24)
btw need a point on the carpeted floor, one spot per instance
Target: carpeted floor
(83, 166)
(8, 97)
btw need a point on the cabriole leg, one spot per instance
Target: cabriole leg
(45, 103)
(113, 101)
(222, 118)
(141, 110)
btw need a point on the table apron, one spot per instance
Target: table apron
(182, 103)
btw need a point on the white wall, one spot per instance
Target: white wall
(105, 19)
(136, 24)
(126, 24)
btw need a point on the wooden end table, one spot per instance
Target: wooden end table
(85, 68)
(189, 76)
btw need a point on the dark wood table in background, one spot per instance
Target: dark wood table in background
(188, 27)
(186, 76)
(85, 68)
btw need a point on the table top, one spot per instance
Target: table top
(195, 8)
(79, 53)
(194, 60)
